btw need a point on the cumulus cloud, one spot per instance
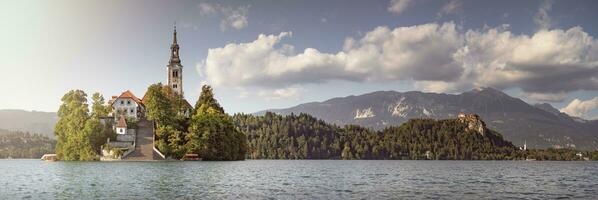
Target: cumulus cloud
(231, 17)
(549, 61)
(421, 53)
(546, 65)
(398, 6)
(542, 19)
(282, 93)
(580, 108)
(452, 7)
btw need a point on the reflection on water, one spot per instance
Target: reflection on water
(304, 179)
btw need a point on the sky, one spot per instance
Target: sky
(275, 54)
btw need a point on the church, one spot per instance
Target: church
(129, 106)
(134, 133)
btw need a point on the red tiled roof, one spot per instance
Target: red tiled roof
(129, 94)
(122, 123)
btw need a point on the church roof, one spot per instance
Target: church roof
(129, 94)
(122, 123)
(188, 104)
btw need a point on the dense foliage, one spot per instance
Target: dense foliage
(210, 132)
(164, 107)
(159, 106)
(16, 144)
(79, 133)
(304, 137)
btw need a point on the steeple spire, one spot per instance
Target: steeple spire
(174, 49)
(174, 38)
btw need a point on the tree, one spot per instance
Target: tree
(171, 141)
(72, 137)
(98, 133)
(98, 107)
(211, 133)
(207, 98)
(158, 105)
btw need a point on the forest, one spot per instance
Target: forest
(302, 136)
(16, 144)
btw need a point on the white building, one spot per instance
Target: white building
(128, 105)
(121, 126)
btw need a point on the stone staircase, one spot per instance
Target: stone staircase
(144, 144)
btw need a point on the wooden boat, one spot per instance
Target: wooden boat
(50, 157)
(190, 157)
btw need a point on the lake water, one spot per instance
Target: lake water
(298, 179)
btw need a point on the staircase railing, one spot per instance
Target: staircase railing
(154, 141)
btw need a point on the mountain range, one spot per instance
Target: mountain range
(29, 121)
(539, 126)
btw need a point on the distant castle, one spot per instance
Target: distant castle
(473, 121)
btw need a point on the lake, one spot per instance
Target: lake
(298, 179)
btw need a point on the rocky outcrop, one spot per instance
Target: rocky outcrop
(365, 113)
(474, 122)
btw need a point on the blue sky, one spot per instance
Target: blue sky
(540, 51)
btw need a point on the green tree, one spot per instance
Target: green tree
(72, 139)
(158, 105)
(207, 98)
(98, 106)
(212, 133)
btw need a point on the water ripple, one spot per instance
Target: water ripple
(299, 179)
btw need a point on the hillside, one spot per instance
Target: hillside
(304, 137)
(15, 144)
(28, 121)
(540, 126)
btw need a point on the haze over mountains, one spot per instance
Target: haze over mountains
(28, 121)
(541, 126)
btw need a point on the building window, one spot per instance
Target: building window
(128, 102)
(122, 102)
(132, 110)
(174, 86)
(175, 74)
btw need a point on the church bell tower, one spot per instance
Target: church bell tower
(175, 69)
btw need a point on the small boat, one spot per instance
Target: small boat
(49, 157)
(190, 157)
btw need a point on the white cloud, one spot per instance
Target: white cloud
(579, 108)
(231, 17)
(282, 93)
(542, 19)
(546, 65)
(549, 61)
(452, 7)
(423, 52)
(398, 6)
